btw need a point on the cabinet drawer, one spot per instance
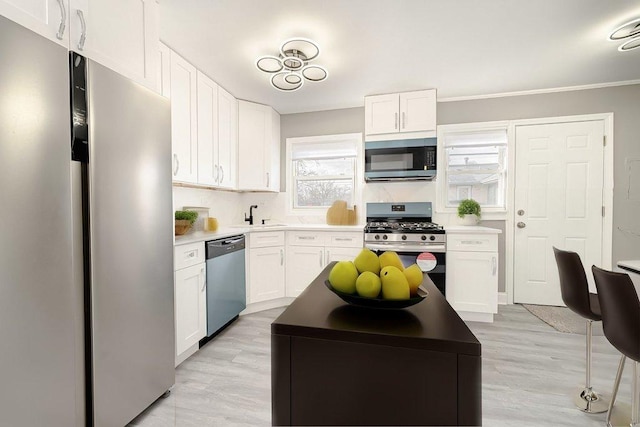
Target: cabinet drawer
(472, 242)
(345, 240)
(188, 255)
(264, 239)
(306, 238)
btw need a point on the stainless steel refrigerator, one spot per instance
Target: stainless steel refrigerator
(86, 245)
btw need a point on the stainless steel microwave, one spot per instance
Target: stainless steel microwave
(406, 159)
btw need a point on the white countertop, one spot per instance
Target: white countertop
(471, 229)
(633, 265)
(221, 233)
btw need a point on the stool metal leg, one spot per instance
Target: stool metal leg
(614, 393)
(588, 400)
(635, 399)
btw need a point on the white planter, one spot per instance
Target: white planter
(470, 219)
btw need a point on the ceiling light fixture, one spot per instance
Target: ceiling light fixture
(630, 30)
(291, 67)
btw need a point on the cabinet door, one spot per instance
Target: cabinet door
(304, 263)
(340, 254)
(266, 274)
(381, 114)
(49, 18)
(418, 111)
(190, 306)
(119, 34)
(472, 281)
(273, 165)
(208, 166)
(183, 120)
(227, 139)
(163, 80)
(254, 135)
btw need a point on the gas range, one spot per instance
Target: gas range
(395, 226)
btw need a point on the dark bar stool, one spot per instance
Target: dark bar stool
(621, 324)
(576, 295)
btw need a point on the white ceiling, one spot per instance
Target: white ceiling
(461, 47)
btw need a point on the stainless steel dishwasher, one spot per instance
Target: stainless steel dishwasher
(226, 282)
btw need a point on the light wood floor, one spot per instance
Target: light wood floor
(529, 374)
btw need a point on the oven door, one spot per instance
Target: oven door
(430, 258)
(404, 159)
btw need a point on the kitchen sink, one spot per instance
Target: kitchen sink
(257, 226)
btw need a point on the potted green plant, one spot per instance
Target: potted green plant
(469, 211)
(184, 220)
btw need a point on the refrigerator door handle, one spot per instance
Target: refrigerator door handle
(83, 36)
(63, 20)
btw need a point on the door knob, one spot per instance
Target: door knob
(521, 225)
(520, 212)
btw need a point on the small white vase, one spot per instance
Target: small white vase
(470, 219)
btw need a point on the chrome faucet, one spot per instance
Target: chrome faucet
(250, 219)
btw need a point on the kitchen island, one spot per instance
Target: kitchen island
(337, 364)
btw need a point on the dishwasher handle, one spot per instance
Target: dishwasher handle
(220, 247)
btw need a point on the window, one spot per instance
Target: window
(474, 162)
(321, 170)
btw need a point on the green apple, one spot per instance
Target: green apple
(368, 285)
(343, 277)
(367, 260)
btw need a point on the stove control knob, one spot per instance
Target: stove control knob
(377, 237)
(404, 237)
(384, 237)
(432, 237)
(424, 237)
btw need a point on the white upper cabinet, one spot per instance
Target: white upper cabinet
(217, 134)
(401, 115)
(227, 139)
(184, 128)
(49, 18)
(418, 111)
(119, 34)
(381, 114)
(258, 147)
(208, 167)
(163, 65)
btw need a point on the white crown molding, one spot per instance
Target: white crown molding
(538, 91)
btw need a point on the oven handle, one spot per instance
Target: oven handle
(405, 248)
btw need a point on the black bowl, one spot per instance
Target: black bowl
(387, 304)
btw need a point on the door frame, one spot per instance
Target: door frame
(607, 190)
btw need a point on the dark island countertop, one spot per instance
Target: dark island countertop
(429, 325)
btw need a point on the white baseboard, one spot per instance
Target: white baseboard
(186, 354)
(469, 316)
(502, 298)
(266, 305)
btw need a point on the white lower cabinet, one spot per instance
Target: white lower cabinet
(190, 293)
(472, 275)
(266, 266)
(309, 252)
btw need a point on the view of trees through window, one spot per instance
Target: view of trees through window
(320, 182)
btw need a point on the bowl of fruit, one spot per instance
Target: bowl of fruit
(377, 281)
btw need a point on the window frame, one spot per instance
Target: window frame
(357, 178)
(489, 213)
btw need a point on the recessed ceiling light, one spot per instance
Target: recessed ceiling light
(630, 29)
(292, 67)
(629, 45)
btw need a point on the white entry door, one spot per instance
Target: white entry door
(558, 202)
